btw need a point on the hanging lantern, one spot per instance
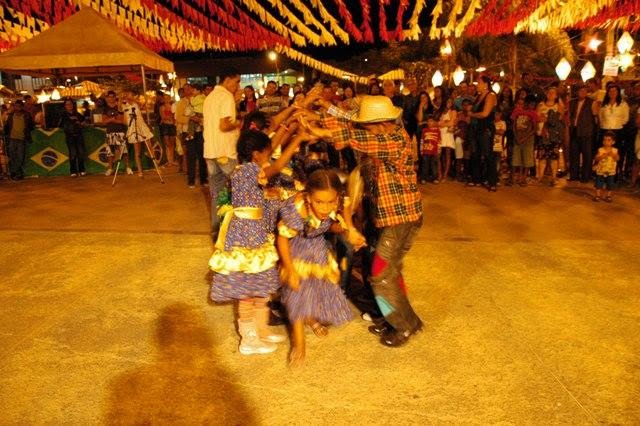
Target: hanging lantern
(502, 73)
(458, 76)
(437, 79)
(594, 43)
(626, 60)
(496, 87)
(43, 97)
(563, 69)
(445, 49)
(588, 71)
(55, 95)
(625, 43)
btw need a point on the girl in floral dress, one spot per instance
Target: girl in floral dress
(245, 260)
(313, 295)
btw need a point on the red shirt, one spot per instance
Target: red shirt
(430, 141)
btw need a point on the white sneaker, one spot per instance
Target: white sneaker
(74, 175)
(83, 174)
(109, 172)
(366, 317)
(129, 171)
(250, 343)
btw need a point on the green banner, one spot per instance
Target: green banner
(48, 155)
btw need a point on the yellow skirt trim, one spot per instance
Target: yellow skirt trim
(241, 259)
(305, 270)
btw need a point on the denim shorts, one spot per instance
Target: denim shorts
(604, 182)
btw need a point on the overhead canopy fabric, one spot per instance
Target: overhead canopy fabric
(83, 44)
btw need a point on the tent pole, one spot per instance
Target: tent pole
(144, 92)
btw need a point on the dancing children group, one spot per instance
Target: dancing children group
(293, 228)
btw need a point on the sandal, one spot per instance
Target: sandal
(319, 330)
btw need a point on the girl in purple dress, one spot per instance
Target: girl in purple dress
(313, 295)
(244, 263)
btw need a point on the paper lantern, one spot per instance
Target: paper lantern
(563, 69)
(496, 87)
(626, 60)
(446, 49)
(594, 43)
(458, 76)
(588, 71)
(55, 95)
(437, 79)
(625, 43)
(43, 97)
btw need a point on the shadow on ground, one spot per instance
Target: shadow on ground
(185, 383)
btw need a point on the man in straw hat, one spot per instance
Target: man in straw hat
(374, 131)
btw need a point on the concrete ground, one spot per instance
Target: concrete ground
(530, 298)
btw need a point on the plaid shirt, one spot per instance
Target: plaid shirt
(395, 194)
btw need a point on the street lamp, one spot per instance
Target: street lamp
(273, 56)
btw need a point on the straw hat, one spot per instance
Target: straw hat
(374, 109)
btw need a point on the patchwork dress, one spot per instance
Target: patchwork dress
(245, 259)
(319, 296)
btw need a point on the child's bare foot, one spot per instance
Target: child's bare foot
(296, 357)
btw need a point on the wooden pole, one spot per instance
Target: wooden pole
(144, 93)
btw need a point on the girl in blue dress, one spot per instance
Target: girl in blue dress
(244, 262)
(313, 295)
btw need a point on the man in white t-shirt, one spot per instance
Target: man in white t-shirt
(221, 131)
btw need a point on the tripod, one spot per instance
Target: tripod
(133, 121)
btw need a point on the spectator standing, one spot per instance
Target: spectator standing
(582, 120)
(447, 123)
(410, 106)
(168, 128)
(248, 104)
(182, 122)
(390, 90)
(17, 129)
(430, 152)
(550, 130)
(116, 132)
(525, 123)
(614, 114)
(71, 123)
(272, 102)
(195, 140)
(480, 135)
(529, 84)
(605, 167)
(221, 131)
